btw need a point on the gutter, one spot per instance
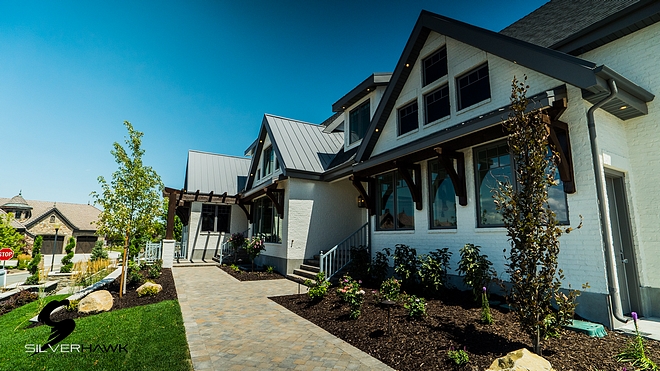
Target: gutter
(601, 193)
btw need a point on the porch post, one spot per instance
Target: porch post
(171, 209)
(168, 253)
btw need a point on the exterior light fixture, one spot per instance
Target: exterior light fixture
(52, 260)
(376, 130)
(407, 65)
(360, 202)
(623, 107)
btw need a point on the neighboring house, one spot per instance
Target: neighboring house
(421, 149)
(41, 218)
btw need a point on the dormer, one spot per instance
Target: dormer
(356, 109)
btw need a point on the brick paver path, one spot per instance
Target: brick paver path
(232, 325)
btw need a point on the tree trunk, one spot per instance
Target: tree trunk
(122, 282)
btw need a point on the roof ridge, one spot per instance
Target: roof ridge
(290, 119)
(219, 154)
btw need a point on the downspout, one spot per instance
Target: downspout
(601, 193)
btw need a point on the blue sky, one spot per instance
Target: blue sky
(190, 75)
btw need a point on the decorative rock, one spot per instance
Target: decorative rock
(140, 290)
(98, 301)
(521, 360)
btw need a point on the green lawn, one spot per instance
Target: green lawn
(153, 335)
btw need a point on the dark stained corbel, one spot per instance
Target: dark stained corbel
(248, 214)
(457, 175)
(561, 144)
(415, 188)
(357, 183)
(279, 204)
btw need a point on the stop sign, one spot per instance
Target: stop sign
(6, 253)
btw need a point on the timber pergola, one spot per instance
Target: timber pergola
(179, 204)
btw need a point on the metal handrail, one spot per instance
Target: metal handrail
(339, 256)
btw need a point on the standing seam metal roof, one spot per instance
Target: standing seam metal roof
(208, 172)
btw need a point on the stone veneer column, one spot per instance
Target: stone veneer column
(168, 253)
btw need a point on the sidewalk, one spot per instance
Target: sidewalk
(232, 325)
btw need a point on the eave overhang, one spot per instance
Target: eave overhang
(362, 90)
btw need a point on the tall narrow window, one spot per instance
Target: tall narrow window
(442, 198)
(268, 161)
(395, 204)
(435, 66)
(359, 122)
(493, 164)
(473, 87)
(408, 120)
(267, 224)
(436, 104)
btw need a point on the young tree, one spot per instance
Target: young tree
(98, 252)
(531, 225)
(9, 237)
(33, 267)
(67, 264)
(131, 201)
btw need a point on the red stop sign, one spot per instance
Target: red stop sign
(6, 253)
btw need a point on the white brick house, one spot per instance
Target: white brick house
(421, 147)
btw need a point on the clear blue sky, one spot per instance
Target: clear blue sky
(189, 74)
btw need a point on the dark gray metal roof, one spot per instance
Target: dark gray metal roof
(208, 172)
(303, 146)
(559, 19)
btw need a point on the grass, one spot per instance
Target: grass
(153, 334)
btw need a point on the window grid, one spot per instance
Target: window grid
(408, 118)
(473, 87)
(435, 66)
(436, 104)
(442, 198)
(359, 122)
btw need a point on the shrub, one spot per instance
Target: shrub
(360, 262)
(155, 270)
(390, 289)
(380, 266)
(486, 317)
(235, 268)
(253, 248)
(459, 357)
(73, 306)
(405, 264)
(635, 351)
(148, 291)
(415, 306)
(270, 269)
(33, 266)
(23, 261)
(67, 264)
(134, 275)
(98, 252)
(475, 268)
(433, 269)
(350, 292)
(317, 288)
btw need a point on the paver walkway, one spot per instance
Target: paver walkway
(232, 325)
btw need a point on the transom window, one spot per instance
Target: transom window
(442, 198)
(268, 161)
(216, 218)
(493, 163)
(267, 223)
(473, 87)
(435, 66)
(395, 207)
(436, 104)
(408, 120)
(359, 122)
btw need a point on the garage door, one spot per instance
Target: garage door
(47, 246)
(85, 244)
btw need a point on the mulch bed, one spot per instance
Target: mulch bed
(454, 322)
(17, 300)
(242, 275)
(131, 298)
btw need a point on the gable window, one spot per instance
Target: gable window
(436, 104)
(52, 219)
(473, 87)
(359, 122)
(395, 207)
(408, 120)
(267, 224)
(442, 198)
(493, 163)
(216, 218)
(435, 66)
(268, 161)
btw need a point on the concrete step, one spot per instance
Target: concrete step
(310, 268)
(313, 262)
(297, 278)
(304, 273)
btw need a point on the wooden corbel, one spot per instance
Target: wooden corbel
(357, 183)
(415, 188)
(457, 175)
(560, 142)
(248, 214)
(224, 197)
(279, 204)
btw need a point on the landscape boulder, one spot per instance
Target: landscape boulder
(98, 301)
(148, 289)
(521, 360)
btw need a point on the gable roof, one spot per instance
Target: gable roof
(79, 216)
(210, 172)
(14, 223)
(575, 71)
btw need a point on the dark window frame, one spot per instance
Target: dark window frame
(431, 196)
(394, 213)
(267, 161)
(264, 207)
(437, 60)
(431, 94)
(480, 79)
(217, 211)
(354, 117)
(400, 119)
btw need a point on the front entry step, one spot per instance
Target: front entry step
(307, 271)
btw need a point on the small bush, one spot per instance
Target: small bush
(458, 357)
(360, 262)
(155, 270)
(433, 269)
(475, 268)
(23, 260)
(380, 266)
(98, 252)
(415, 306)
(635, 351)
(67, 264)
(73, 306)
(390, 289)
(270, 269)
(235, 268)
(350, 292)
(406, 264)
(317, 288)
(148, 291)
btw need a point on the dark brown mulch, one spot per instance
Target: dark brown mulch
(242, 275)
(130, 299)
(452, 322)
(17, 300)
